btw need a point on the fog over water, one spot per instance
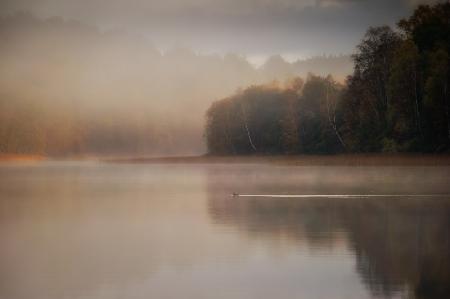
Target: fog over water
(316, 184)
(89, 230)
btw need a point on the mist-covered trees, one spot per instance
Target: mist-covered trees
(70, 88)
(250, 121)
(397, 99)
(274, 119)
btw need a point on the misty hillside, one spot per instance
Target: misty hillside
(69, 88)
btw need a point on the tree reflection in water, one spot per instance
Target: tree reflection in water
(400, 244)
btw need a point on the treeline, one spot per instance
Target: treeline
(67, 88)
(397, 100)
(276, 68)
(272, 119)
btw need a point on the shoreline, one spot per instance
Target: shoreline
(291, 160)
(299, 160)
(22, 158)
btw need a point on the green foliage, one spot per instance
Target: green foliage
(250, 121)
(317, 111)
(436, 101)
(397, 99)
(404, 88)
(390, 145)
(428, 27)
(268, 119)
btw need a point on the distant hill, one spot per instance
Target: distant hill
(70, 88)
(339, 67)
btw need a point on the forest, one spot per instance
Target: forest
(396, 100)
(72, 89)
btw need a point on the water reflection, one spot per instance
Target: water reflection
(401, 245)
(95, 231)
(88, 230)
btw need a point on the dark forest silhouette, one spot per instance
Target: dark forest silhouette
(397, 100)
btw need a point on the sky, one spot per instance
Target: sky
(137, 77)
(255, 28)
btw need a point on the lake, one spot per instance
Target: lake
(104, 230)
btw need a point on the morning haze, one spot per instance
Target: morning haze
(89, 91)
(251, 27)
(224, 149)
(121, 77)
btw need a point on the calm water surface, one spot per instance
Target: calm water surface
(91, 230)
